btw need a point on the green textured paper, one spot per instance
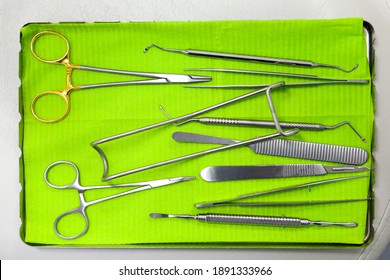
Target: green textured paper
(103, 112)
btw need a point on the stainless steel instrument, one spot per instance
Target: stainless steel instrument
(282, 74)
(252, 58)
(287, 148)
(267, 90)
(316, 80)
(229, 173)
(64, 59)
(236, 201)
(198, 154)
(254, 220)
(260, 123)
(81, 210)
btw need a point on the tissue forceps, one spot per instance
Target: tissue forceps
(81, 209)
(235, 201)
(315, 80)
(263, 59)
(156, 78)
(282, 74)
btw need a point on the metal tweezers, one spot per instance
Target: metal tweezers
(234, 201)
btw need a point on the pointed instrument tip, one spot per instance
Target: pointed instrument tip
(202, 205)
(199, 79)
(182, 179)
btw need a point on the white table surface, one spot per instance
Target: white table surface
(15, 13)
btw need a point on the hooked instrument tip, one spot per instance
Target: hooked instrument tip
(164, 49)
(347, 71)
(148, 47)
(350, 125)
(337, 67)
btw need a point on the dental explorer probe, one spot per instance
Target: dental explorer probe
(262, 123)
(263, 59)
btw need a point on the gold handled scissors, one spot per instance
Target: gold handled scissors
(156, 78)
(81, 209)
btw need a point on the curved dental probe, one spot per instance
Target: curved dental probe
(259, 123)
(291, 62)
(345, 123)
(337, 67)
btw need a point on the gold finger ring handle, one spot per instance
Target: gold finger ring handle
(63, 95)
(54, 61)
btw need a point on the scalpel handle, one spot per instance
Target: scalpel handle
(288, 148)
(243, 172)
(229, 173)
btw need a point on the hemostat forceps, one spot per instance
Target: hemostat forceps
(292, 62)
(156, 78)
(81, 209)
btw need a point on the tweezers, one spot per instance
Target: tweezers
(233, 201)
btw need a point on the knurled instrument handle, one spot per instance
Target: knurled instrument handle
(223, 121)
(253, 220)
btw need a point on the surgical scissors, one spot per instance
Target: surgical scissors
(156, 78)
(81, 209)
